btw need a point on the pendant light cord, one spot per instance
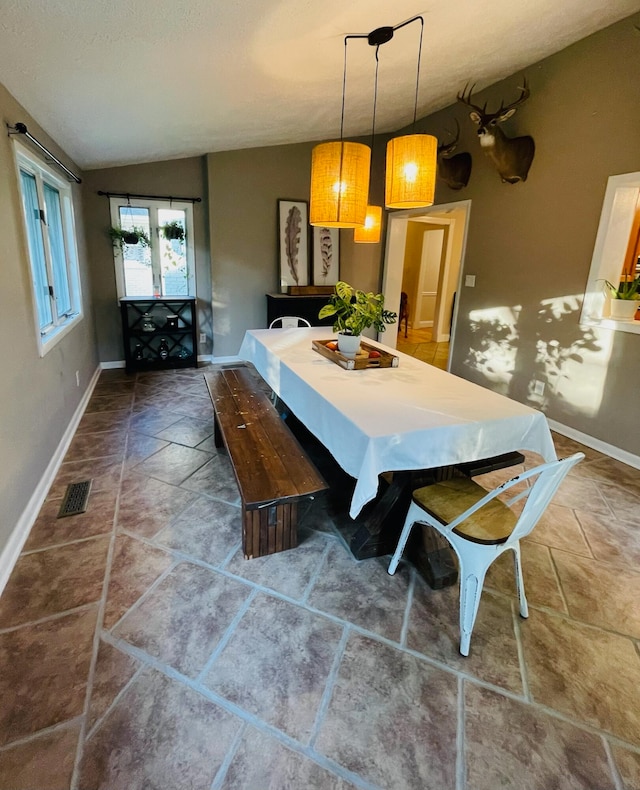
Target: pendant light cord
(375, 100)
(415, 106)
(344, 88)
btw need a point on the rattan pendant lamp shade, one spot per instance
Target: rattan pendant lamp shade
(339, 184)
(411, 171)
(339, 177)
(369, 233)
(410, 180)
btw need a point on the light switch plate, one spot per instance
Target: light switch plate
(470, 280)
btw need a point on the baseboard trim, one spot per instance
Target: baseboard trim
(20, 533)
(120, 363)
(596, 444)
(226, 360)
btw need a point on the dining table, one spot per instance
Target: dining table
(412, 416)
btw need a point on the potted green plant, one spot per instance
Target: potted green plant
(624, 298)
(173, 230)
(121, 236)
(354, 311)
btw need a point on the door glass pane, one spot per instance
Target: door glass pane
(58, 257)
(138, 275)
(173, 254)
(36, 248)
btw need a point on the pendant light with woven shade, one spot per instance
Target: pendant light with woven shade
(410, 180)
(339, 177)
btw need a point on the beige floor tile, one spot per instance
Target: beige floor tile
(103, 472)
(110, 403)
(540, 581)
(362, 592)
(43, 673)
(262, 762)
(276, 665)
(512, 745)
(113, 671)
(97, 445)
(160, 734)
(208, 530)
(560, 528)
(603, 595)
(49, 530)
(42, 763)
(590, 675)
(405, 734)
(147, 505)
(434, 630)
(53, 580)
(182, 620)
(286, 572)
(173, 464)
(611, 540)
(628, 765)
(134, 568)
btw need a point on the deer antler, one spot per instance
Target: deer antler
(467, 99)
(524, 95)
(447, 148)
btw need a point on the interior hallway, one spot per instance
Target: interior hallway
(138, 649)
(419, 344)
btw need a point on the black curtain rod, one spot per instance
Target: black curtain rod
(149, 197)
(20, 128)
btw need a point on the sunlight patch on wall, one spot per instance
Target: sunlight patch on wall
(494, 345)
(568, 359)
(572, 359)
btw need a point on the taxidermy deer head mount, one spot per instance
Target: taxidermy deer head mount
(512, 156)
(454, 170)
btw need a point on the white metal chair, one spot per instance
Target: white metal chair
(288, 322)
(480, 527)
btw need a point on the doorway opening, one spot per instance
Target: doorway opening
(424, 258)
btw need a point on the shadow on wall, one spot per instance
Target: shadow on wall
(570, 361)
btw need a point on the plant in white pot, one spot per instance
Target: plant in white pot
(625, 299)
(354, 311)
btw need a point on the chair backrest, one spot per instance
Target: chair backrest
(539, 494)
(288, 322)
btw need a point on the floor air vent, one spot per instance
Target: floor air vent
(75, 500)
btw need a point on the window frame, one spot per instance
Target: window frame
(153, 205)
(52, 332)
(609, 252)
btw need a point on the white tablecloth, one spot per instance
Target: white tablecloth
(414, 416)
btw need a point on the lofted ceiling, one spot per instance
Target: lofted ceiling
(130, 81)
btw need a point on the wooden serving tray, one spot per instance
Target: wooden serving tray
(362, 360)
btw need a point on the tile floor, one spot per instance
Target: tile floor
(138, 649)
(418, 343)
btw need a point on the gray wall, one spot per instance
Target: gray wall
(244, 188)
(179, 177)
(532, 242)
(38, 396)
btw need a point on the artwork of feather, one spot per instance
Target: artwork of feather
(326, 251)
(292, 240)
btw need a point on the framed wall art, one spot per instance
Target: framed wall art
(293, 243)
(326, 256)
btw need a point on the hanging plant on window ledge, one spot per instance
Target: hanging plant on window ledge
(173, 230)
(121, 236)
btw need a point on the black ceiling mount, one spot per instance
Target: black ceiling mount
(380, 36)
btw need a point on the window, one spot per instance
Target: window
(47, 204)
(615, 255)
(167, 266)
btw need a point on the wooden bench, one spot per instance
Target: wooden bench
(272, 470)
